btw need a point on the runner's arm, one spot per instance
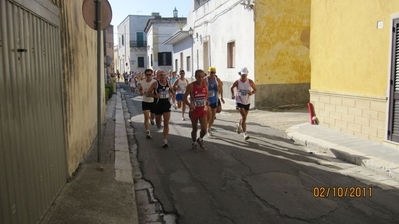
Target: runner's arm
(151, 92)
(253, 87)
(235, 84)
(185, 97)
(220, 85)
(175, 84)
(141, 90)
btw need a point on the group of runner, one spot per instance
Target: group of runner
(202, 96)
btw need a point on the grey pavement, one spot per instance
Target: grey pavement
(369, 154)
(100, 192)
(105, 193)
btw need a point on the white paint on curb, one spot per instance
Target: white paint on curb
(123, 167)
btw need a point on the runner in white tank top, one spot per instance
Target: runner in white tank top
(180, 86)
(147, 104)
(245, 88)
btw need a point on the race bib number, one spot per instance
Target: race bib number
(211, 93)
(243, 92)
(164, 94)
(199, 102)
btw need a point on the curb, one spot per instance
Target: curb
(123, 165)
(343, 153)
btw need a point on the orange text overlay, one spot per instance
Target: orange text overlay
(342, 192)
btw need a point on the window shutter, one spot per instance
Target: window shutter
(169, 58)
(393, 132)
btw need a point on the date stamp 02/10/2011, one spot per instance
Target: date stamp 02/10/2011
(343, 192)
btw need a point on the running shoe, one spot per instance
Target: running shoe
(165, 144)
(245, 136)
(183, 119)
(238, 128)
(194, 147)
(201, 144)
(152, 122)
(175, 106)
(148, 136)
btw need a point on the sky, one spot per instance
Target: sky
(122, 8)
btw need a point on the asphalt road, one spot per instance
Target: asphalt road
(267, 179)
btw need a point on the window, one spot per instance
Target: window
(140, 61)
(140, 39)
(164, 58)
(151, 61)
(188, 63)
(231, 55)
(181, 61)
(123, 41)
(176, 63)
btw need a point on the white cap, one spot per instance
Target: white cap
(243, 71)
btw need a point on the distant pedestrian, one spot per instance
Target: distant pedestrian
(245, 88)
(162, 91)
(180, 86)
(198, 91)
(132, 82)
(113, 82)
(147, 104)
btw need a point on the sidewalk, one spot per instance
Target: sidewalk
(100, 192)
(372, 155)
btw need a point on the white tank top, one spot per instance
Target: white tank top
(243, 89)
(146, 85)
(182, 84)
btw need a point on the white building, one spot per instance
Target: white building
(132, 42)
(158, 30)
(222, 35)
(182, 43)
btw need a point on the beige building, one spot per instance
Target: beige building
(354, 67)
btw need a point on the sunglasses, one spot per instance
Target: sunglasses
(212, 72)
(148, 74)
(162, 74)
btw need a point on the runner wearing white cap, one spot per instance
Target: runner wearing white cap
(245, 88)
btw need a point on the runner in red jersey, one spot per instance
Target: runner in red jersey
(198, 91)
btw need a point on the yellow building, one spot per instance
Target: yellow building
(282, 64)
(354, 69)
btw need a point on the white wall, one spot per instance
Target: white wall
(129, 27)
(222, 21)
(184, 47)
(158, 33)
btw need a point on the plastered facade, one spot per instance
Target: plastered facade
(351, 59)
(282, 64)
(79, 61)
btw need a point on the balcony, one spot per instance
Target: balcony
(138, 43)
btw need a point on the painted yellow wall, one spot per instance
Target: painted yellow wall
(348, 53)
(79, 59)
(282, 41)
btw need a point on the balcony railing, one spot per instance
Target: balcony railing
(138, 43)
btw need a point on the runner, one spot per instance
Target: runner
(148, 102)
(132, 82)
(162, 91)
(245, 88)
(180, 86)
(198, 92)
(214, 86)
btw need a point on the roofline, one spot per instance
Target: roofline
(175, 35)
